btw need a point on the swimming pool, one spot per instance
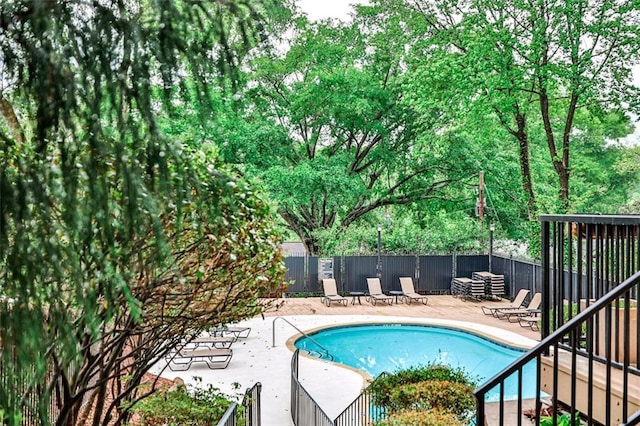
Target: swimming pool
(376, 348)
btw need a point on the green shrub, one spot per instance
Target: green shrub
(420, 418)
(383, 385)
(563, 420)
(182, 406)
(441, 395)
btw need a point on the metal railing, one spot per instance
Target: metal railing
(251, 404)
(251, 409)
(587, 359)
(273, 336)
(363, 410)
(305, 411)
(230, 417)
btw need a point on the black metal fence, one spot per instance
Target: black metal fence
(305, 411)
(362, 411)
(251, 404)
(431, 274)
(588, 357)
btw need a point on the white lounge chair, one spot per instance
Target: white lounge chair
(214, 358)
(409, 292)
(517, 303)
(238, 332)
(331, 292)
(211, 342)
(375, 292)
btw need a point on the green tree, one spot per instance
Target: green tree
(332, 140)
(117, 242)
(534, 66)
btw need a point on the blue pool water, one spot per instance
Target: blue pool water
(382, 347)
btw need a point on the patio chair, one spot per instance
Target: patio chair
(517, 303)
(508, 313)
(331, 292)
(211, 342)
(530, 320)
(237, 332)
(182, 359)
(409, 292)
(375, 292)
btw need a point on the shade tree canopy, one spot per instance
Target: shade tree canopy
(331, 138)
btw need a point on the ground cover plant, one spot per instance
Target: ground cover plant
(194, 405)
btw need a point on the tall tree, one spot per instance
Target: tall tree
(333, 141)
(116, 242)
(531, 64)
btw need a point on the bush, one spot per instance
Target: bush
(420, 418)
(441, 395)
(178, 406)
(382, 386)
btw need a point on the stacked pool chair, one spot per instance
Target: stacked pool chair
(467, 288)
(494, 284)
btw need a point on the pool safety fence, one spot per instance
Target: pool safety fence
(252, 405)
(230, 417)
(363, 410)
(305, 411)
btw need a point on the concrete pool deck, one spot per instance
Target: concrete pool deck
(257, 359)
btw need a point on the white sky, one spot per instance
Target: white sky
(321, 9)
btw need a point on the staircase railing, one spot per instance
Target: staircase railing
(587, 363)
(552, 345)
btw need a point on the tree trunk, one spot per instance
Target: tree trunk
(525, 166)
(560, 164)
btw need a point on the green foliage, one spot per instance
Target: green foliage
(117, 239)
(326, 132)
(563, 420)
(440, 395)
(184, 406)
(420, 418)
(383, 386)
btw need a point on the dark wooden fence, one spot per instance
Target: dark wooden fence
(431, 274)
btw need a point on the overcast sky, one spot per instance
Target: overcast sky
(321, 9)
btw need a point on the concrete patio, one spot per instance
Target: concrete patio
(265, 357)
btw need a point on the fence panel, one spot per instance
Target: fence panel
(295, 273)
(434, 274)
(527, 275)
(313, 285)
(394, 267)
(466, 265)
(356, 271)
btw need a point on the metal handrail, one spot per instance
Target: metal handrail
(252, 405)
(273, 335)
(543, 347)
(229, 418)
